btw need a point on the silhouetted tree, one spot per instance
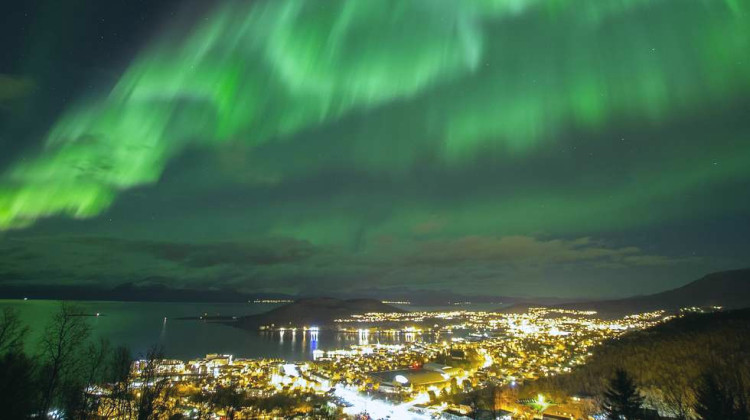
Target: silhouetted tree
(675, 395)
(12, 332)
(18, 389)
(73, 400)
(229, 399)
(489, 399)
(474, 400)
(151, 401)
(202, 402)
(79, 402)
(60, 350)
(621, 399)
(667, 361)
(717, 402)
(117, 374)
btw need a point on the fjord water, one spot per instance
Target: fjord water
(140, 325)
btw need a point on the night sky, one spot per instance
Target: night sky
(571, 148)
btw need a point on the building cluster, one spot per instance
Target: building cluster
(446, 353)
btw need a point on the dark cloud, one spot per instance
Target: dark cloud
(501, 264)
(527, 250)
(268, 252)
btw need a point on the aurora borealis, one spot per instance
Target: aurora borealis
(538, 147)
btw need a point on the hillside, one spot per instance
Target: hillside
(729, 289)
(314, 311)
(666, 361)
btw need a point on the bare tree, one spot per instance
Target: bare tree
(670, 390)
(60, 350)
(119, 401)
(92, 373)
(154, 386)
(12, 332)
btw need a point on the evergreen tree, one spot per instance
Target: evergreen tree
(621, 399)
(715, 402)
(18, 388)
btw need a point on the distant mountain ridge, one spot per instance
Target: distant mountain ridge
(314, 311)
(158, 289)
(130, 292)
(729, 289)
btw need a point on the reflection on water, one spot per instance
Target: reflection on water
(141, 325)
(313, 341)
(331, 340)
(163, 330)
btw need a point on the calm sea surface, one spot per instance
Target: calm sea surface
(140, 325)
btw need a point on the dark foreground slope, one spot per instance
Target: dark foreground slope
(314, 311)
(667, 361)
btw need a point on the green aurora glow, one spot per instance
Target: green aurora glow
(258, 73)
(460, 118)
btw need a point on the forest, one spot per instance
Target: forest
(672, 365)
